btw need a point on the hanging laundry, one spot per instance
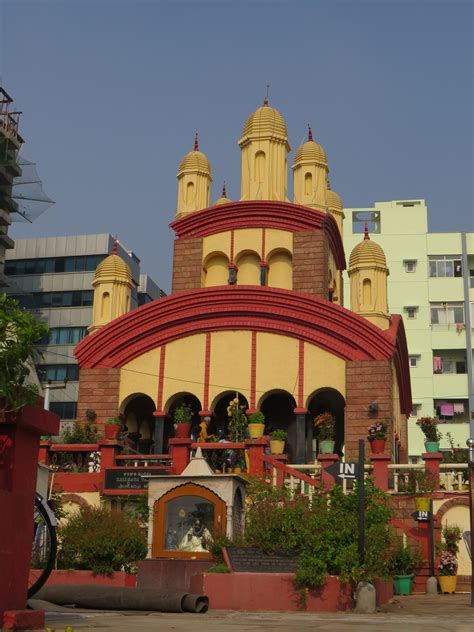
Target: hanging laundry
(447, 410)
(437, 364)
(458, 408)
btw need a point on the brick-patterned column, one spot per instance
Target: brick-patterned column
(99, 390)
(187, 264)
(310, 263)
(366, 382)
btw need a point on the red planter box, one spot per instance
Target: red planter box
(119, 578)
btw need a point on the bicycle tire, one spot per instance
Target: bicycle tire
(45, 572)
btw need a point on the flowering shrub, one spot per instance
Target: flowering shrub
(183, 414)
(429, 426)
(377, 430)
(325, 424)
(237, 420)
(448, 564)
(452, 535)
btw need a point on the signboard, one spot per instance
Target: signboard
(127, 477)
(253, 560)
(421, 516)
(341, 471)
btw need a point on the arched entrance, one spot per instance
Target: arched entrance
(220, 419)
(172, 404)
(278, 407)
(139, 422)
(325, 400)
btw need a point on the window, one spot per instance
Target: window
(445, 266)
(38, 300)
(64, 336)
(49, 265)
(410, 312)
(371, 218)
(415, 412)
(65, 410)
(414, 361)
(58, 372)
(447, 313)
(410, 265)
(471, 278)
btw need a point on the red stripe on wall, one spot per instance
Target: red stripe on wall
(207, 369)
(253, 371)
(301, 376)
(161, 378)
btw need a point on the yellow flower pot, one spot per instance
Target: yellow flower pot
(277, 447)
(422, 504)
(447, 583)
(256, 430)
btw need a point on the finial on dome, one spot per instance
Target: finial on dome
(265, 100)
(366, 231)
(196, 142)
(224, 192)
(115, 246)
(310, 133)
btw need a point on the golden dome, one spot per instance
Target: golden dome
(367, 253)
(333, 200)
(310, 151)
(195, 160)
(265, 121)
(114, 268)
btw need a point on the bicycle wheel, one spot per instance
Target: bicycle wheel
(43, 552)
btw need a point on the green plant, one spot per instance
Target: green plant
(102, 541)
(55, 501)
(429, 427)
(325, 425)
(113, 421)
(378, 430)
(404, 561)
(257, 418)
(20, 333)
(279, 435)
(183, 414)
(218, 568)
(237, 420)
(452, 535)
(85, 432)
(448, 564)
(418, 482)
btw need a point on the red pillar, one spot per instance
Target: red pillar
(256, 450)
(19, 443)
(432, 462)
(180, 454)
(109, 449)
(43, 454)
(326, 460)
(380, 472)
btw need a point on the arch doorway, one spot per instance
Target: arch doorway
(325, 400)
(139, 422)
(220, 419)
(172, 404)
(278, 408)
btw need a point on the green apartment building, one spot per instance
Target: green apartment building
(426, 285)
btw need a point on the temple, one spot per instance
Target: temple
(255, 310)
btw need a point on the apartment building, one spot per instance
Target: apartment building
(53, 276)
(426, 285)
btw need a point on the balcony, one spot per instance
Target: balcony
(450, 336)
(450, 385)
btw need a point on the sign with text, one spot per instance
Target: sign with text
(344, 471)
(253, 560)
(421, 516)
(127, 478)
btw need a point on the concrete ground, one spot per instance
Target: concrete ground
(416, 613)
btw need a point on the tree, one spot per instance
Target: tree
(20, 332)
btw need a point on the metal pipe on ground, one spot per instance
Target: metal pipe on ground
(123, 598)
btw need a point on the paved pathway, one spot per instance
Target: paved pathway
(406, 614)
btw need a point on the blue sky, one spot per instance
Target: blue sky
(112, 92)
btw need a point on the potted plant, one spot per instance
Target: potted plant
(325, 424)
(402, 564)
(277, 441)
(420, 483)
(429, 427)
(377, 436)
(112, 427)
(448, 564)
(237, 420)
(182, 418)
(256, 425)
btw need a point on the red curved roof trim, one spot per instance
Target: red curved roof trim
(261, 214)
(396, 334)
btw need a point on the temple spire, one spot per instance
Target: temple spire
(366, 231)
(115, 247)
(310, 133)
(196, 142)
(224, 192)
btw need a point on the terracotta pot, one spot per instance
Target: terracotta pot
(256, 430)
(111, 431)
(447, 583)
(326, 446)
(277, 447)
(377, 446)
(183, 431)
